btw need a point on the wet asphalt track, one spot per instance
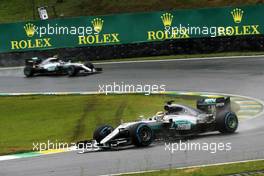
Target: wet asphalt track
(236, 76)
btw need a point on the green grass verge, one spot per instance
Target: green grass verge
(18, 10)
(225, 169)
(28, 119)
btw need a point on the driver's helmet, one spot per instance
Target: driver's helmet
(160, 115)
(56, 59)
(56, 56)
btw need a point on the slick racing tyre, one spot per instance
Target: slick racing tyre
(141, 134)
(227, 123)
(72, 71)
(29, 71)
(101, 132)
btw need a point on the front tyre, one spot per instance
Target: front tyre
(28, 71)
(227, 123)
(101, 132)
(141, 134)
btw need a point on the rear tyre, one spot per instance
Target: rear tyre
(142, 135)
(227, 123)
(72, 71)
(28, 71)
(101, 132)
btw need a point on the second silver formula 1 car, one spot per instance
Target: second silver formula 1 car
(212, 114)
(53, 65)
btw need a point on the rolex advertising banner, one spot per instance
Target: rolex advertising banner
(131, 28)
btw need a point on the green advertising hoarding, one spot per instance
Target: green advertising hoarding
(131, 28)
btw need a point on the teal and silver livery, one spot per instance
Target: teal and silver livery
(211, 114)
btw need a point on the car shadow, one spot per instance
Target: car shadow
(56, 75)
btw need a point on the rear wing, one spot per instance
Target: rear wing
(214, 105)
(33, 61)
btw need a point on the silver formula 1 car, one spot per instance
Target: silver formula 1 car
(212, 114)
(53, 65)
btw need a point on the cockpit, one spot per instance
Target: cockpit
(176, 109)
(50, 60)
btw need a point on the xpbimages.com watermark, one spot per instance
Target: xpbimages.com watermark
(212, 147)
(181, 146)
(52, 145)
(122, 87)
(58, 145)
(185, 31)
(95, 27)
(59, 30)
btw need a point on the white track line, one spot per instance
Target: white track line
(10, 68)
(188, 167)
(186, 59)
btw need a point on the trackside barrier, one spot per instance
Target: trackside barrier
(131, 28)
